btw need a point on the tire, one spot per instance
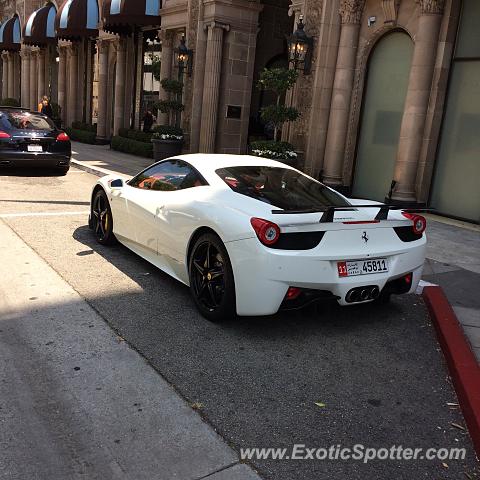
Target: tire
(211, 281)
(63, 172)
(102, 219)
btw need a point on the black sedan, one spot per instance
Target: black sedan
(31, 139)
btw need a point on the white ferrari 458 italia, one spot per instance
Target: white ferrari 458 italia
(251, 236)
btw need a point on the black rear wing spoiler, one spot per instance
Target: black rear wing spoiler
(329, 212)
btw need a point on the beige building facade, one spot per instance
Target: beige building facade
(391, 104)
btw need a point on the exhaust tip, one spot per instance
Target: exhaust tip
(352, 296)
(374, 293)
(364, 294)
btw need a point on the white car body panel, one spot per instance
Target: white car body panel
(159, 225)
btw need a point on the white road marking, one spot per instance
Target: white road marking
(42, 214)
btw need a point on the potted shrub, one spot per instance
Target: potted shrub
(281, 151)
(168, 139)
(278, 81)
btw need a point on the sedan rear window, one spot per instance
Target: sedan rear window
(26, 121)
(282, 187)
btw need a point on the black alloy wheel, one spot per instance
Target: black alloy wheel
(102, 220)
(211, 279)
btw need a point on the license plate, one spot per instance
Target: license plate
(362, 267)
(34, 148)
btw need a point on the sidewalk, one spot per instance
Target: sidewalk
(78, 401)
(453, 262)
(105, 160)
(453, 253)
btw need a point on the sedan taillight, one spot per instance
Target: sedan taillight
(4, 134)
(63, 137)
(419, 223)
(267, 232)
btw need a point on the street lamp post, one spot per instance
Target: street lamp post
(300, 47)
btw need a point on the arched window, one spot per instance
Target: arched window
(382, 111)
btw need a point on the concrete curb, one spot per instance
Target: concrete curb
(461, 361)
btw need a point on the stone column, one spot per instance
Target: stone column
(102, 47)
(41, 74)
(198, 79)
(351, 14)
(25, 94)
(416, 102)
(165, 69)
(119, 111)
(5, 75)
(33, 81)
(11, 76)
(88, 92)
(72, 100)
(138, 47)
(213, 69)
(62, 82)
(22, 77)
(17, 69)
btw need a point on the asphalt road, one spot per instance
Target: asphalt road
(378, 369)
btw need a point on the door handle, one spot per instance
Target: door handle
(159, 210)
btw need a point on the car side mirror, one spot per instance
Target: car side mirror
(117, 183)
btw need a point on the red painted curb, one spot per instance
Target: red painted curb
(461, 361)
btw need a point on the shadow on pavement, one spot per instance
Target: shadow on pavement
(29, 172)
(378, 370)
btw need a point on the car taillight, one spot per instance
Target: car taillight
(267, 232)
(63, 137)
(4, 134)
(293, 293)
(419, 223)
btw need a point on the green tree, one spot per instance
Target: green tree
(172, 106)
(278, 81)
(156, 63)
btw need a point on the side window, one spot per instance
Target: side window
(168, 176)
(4, 123)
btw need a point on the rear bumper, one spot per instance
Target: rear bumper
(263, 276)
(34, 160)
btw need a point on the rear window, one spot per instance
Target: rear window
(281, 187)
(26, 121)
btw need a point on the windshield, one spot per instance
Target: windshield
(282, 187)
(26, 121)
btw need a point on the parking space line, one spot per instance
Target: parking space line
(42, 214)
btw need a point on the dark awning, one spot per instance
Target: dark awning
(40, 27)
(122, 16)
(77, 19)
(11, 35)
